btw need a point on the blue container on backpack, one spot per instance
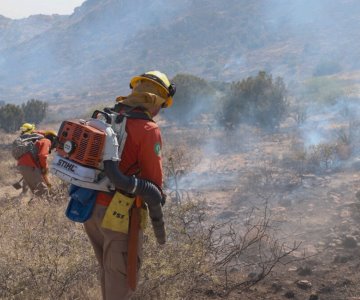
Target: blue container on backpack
(81, 204)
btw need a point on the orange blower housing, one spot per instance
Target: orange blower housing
(81, 143)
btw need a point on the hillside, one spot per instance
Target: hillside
(15, 32)
(91, 54)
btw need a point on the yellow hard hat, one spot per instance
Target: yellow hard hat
(50, 133)
(52, 136)
(161, 80)
(27, 128)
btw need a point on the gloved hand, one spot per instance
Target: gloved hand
(159, 230)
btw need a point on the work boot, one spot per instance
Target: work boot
(159, 231)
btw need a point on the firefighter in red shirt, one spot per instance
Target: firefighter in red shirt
(141, 156)
(34, 168)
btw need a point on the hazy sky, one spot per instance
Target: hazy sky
(17, 9)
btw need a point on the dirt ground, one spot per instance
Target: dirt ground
(320, 210)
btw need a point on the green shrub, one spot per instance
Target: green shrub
(259, 100)
(34, 110)
(11, 117)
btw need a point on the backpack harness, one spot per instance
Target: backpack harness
(25, 143)
(74, 166)
(126, 112)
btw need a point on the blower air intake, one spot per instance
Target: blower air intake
(81, 143)
(80, 153)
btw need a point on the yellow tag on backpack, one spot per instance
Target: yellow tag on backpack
(116, 217)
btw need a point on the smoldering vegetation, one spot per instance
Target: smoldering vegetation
(252, 206)
(302, 168)
(311, 133)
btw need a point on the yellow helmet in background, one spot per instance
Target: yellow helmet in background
(27, 128)
(50, 133)
(161, 80)
(52, 136)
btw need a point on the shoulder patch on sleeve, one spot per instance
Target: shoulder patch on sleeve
(157, 149)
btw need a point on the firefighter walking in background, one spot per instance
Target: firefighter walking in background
(26, 129)
(112, 235)
(31, 150)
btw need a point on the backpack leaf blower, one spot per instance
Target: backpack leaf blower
(88, 156)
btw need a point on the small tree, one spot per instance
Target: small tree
(34, 110)
(260, 100)
(11, 117)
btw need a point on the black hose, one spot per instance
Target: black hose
(148, 191)
(121, 181)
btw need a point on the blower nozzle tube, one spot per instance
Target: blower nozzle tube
(148, 191)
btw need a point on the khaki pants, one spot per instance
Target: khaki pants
(33, 178)
(111, 252)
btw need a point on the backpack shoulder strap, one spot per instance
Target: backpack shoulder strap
(33, 137)
(131, 112)
(139, 115)
(26, 144)
(126, 112)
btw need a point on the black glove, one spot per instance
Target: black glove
(159, 230)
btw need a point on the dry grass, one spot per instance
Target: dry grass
(43, 255)
(200, 254)
(8, 173)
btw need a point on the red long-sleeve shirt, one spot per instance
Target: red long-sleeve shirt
(43, 146)
(141, 155)
(142, 151)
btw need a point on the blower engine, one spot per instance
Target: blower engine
(82, 148)
(88, 155)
